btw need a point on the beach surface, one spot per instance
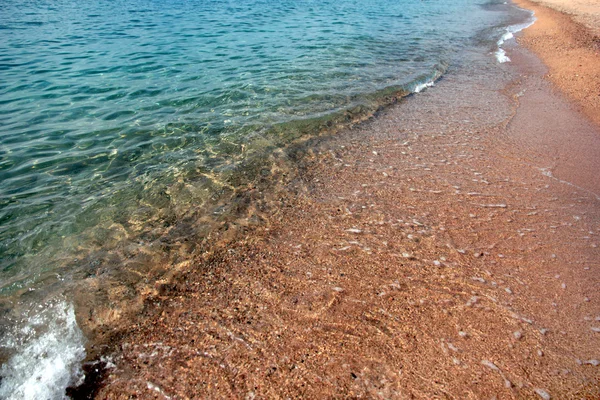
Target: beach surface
(585, 12)
(571, 51)
(447, 248)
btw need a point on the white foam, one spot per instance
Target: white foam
(418, 88)
(49, 349)
(501, 56)
(510, 34)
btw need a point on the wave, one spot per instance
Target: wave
(47, 347)
(510, 32)
(47, 350)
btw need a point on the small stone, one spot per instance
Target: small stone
(594, 329)
(543, 331)
(508, 290)
(353, 230)
(463, 334)
(540, 353)
(490, 364)
(518, 335)
(563, 285)
(472, 300)
(543, 394)
(595, 363)
(453, 347)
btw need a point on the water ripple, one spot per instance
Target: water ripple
(100, 101)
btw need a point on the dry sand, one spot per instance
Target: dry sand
(452, 256)
(586, 12)
(571, 51)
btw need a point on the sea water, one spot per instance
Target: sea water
(126, 125)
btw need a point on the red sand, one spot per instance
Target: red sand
(452, 256)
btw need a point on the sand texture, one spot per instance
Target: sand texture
(571, 51)
(448, 248)
(586, 12)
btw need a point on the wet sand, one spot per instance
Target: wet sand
(447, 248)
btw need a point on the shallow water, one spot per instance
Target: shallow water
(125, 127)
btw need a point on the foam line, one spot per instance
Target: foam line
(510, 34)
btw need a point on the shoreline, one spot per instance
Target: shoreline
(409, 259)
(569, 49)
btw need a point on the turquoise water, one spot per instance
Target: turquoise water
(124, 125)
(106, 105)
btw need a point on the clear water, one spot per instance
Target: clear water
(121, 120)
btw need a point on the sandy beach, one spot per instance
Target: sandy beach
(446, 248)
(585, 12)
(570, 51)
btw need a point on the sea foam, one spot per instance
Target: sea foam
(420, 87)
(48, 350)
(509, 34)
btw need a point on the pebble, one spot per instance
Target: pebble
(518, 335)
(353, 230)
(508, 290)
(595, 329)
(490, 365)
(472, 300)
(543, 394)
(453, 347)
(493, 366)
(463, 334)
(543, 331)
(595, 363)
